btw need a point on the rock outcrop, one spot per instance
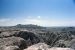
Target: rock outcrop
(43, 46)
(6, 34)
(13, 41)
(22, 39)
(30, 37)
(39, 46)
(12, 48)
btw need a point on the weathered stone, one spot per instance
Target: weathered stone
(42, 46)
(13, 41)
(12, 48)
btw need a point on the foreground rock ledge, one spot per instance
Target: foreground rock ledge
(12, 48)
(43, 46)
(12, 41)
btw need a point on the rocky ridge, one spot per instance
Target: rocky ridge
(29, 38)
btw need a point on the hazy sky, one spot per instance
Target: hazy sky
(40, 12)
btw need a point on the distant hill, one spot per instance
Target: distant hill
(29, 26)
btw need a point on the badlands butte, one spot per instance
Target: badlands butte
(33, 37)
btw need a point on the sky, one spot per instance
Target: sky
(38, 12)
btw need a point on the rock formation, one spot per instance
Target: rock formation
(43, 46)
(30, 37)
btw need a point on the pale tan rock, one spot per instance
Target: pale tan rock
(11, 48)
(57, 48)
(13, 41)
(39, 46)
(43, 46)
